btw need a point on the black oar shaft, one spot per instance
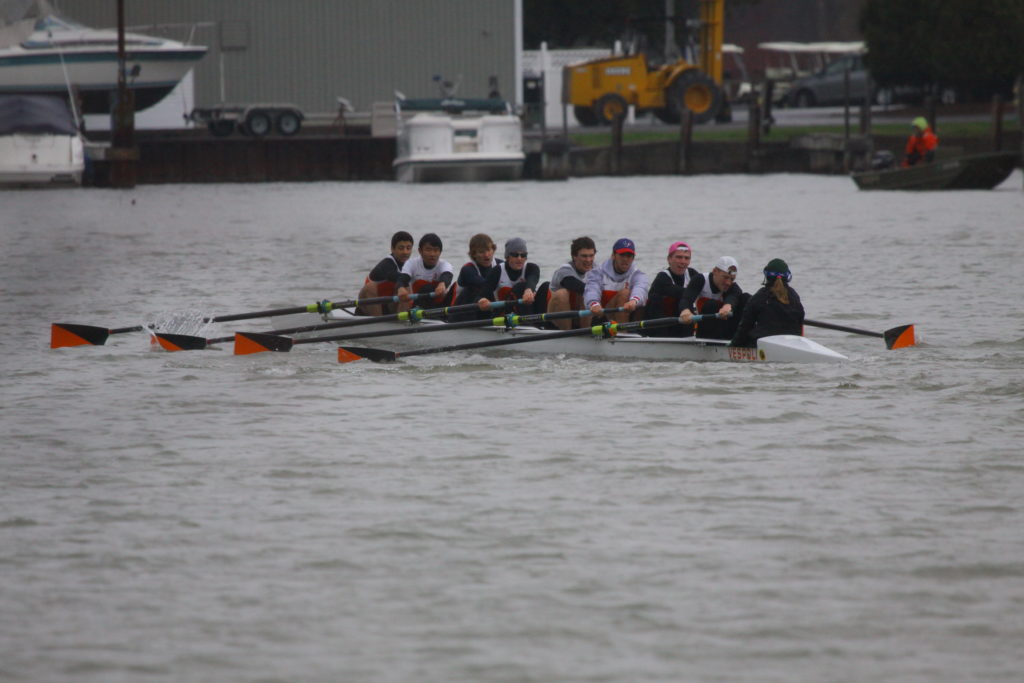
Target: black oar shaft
(520, 339)
(842, 328)
(405, 316)
(596, 330)
(323, 306)
(496, 322)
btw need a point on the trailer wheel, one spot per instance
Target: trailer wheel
(288, 123)
(258, 123)
(221, 128)
(609, 107)
(695, 91)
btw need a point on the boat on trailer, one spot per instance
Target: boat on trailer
(622, 346)
(42, 52)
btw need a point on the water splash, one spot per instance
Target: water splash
(195, 323)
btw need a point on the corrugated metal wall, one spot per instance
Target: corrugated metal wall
(311, 51)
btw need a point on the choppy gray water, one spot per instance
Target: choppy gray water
(205, 517)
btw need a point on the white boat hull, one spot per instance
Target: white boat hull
(41, 159)
(777, 349)
(59, 55)
(458, 169)
(436, 147)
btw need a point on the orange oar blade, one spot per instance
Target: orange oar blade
(900, 337)
(180, 342)
(67, 334)
(257, 342)
(347, 354)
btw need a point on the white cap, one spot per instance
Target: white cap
(727, 263)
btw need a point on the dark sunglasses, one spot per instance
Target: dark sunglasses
(513, 254)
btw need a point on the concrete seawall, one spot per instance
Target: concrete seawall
(198, 158)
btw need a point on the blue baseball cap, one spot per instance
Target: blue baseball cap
(624, 246)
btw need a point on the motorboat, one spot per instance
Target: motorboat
(457, 139)
(42, 52)
(39, 141)
(972, 172)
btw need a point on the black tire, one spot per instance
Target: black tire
(258, 123)
(221, 128)
(585, 115)
(288, 123)
(803, 99)
(610, 106)
(695, 91)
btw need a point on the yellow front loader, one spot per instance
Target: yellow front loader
(601, 89)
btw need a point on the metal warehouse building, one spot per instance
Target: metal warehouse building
(310, 52)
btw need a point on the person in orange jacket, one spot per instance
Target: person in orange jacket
(921, 144)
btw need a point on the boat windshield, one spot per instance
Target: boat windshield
(52, 22)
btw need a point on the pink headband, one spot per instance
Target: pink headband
(676, 246)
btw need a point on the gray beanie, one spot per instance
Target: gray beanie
(516, 245)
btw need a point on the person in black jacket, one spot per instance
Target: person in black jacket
(715, 294)
(383, 278)
(673, 289)
(773, 309)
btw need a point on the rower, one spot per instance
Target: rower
(474, 271)
(718, 293)
(566, 286)
(773, 309)
(514, 279)
(424, 273)
(617, 283)
(670, 288)
(382, 279)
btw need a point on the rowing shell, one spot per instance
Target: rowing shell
(624, 346)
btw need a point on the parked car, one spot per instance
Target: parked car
(826, 87)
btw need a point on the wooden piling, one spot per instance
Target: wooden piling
(997, 122)
(615, 157)
(754, 136)
(682, 164)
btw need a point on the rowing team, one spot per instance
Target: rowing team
(616, 290)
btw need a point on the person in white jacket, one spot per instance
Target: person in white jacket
(617, 283)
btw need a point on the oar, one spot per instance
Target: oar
(895, 338)
(70, 334)
(256, 342)
(187, 342)
(347, 354)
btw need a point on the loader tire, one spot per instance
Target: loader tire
(695, 91)
(609, 107)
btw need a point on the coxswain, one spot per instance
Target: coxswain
(718, 294)
(617, 283)
(566, 284)
(427, 272)
(514, 279)
(474, 272)
(773, 309)
(677, 284)
(921, 144)
(383, 278)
